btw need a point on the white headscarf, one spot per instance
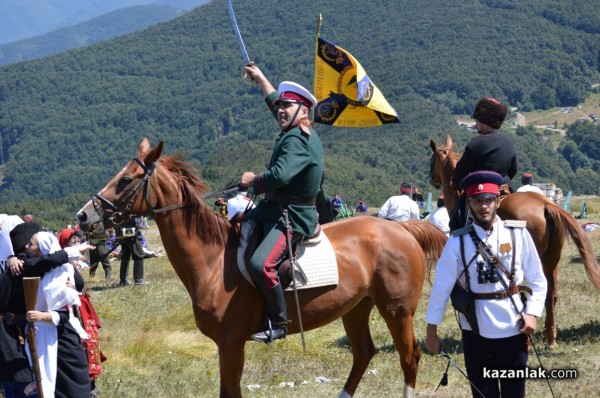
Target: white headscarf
(55, 293)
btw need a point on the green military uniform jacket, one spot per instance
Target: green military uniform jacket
(295, 169)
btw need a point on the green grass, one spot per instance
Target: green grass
(154, 349)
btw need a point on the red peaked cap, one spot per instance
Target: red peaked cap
(481, 183)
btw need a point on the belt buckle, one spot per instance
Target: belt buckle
(498, 295)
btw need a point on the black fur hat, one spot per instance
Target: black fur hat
(21, 235)
(490, 111)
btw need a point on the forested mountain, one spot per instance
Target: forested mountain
(107, 26)
(22, 19)
(71, 121)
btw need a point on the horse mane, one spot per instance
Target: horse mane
(211, 227)
(431, 239)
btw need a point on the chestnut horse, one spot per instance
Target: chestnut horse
(547, 223)
(381, 264)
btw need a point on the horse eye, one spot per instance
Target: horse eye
(123, 182)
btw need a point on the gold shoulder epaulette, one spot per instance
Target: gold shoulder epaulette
(515, 223)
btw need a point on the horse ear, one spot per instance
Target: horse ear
(154, 154)
(144, 147)
(432, 145)
(448, 141)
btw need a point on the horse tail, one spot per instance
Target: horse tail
(563, 223)
(431, 239)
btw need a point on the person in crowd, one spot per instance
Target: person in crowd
(324, 207)
(131, 246)
(28, 218)
(439, 217)
(221, 205)
(239, 203)
(147, 252)
(69, 237)
(336, 201)
(491, 149)
(86, 314)
(527, 181)
(112, 243)
(417, 196)
(291, 183)
(63, 364)
(100, 255)
(400, 207)
(490, 258)
(15, 371)
(362, 207)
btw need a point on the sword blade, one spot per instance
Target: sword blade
(236, 30)
(222, 193)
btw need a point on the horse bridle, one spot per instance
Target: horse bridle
(435, 184)
(117, 216)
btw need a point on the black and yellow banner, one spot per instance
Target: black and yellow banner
(345, 94)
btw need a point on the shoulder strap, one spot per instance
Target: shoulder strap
(465, 264)
(487, 254)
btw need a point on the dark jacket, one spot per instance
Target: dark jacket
(14, 366)
(493, 151)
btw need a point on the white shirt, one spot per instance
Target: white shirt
(239, 202)
(400, 208)
(496, 318)
(440, 218)
(530, 188)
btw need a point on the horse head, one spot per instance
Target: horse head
(122, 199)
(441, 169)
(437, 174)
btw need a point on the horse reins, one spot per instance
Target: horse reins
(118, 216)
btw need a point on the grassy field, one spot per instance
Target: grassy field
(155, 350)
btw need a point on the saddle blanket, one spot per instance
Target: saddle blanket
(315, 260)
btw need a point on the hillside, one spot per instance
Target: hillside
(24, 19)
(70, 121)
(104, 27)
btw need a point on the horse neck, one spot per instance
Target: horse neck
(197, 262)
(450, 193)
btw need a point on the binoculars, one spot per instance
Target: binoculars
(489, 275)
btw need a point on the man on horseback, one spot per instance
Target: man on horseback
(491, 258)
(291, 183)
(491, 150)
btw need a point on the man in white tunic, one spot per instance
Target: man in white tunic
(240, 202)
(500, 260)
(400, 207)
(527, 181)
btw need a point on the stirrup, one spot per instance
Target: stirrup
(269, 335)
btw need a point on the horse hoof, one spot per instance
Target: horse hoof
(553, 345)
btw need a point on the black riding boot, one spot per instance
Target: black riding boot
(277, 313)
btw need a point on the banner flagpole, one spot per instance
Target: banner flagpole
(319, 22)
(30, 286)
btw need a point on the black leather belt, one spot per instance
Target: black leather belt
(285, 200)
(10, 318)
(501, 295)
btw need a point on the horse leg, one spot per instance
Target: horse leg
(401, 326)
(231, 365)
(356, 325)
(550, 329)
